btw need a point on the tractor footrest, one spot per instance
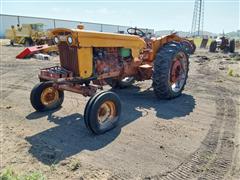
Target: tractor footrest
(55, 72)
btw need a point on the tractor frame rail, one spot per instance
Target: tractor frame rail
(54, 73)
(64, 80)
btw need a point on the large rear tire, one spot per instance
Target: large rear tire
(189, 47)
(213, 46)
(232, 46)
(170, 71)
(45, 97)
(102, 112)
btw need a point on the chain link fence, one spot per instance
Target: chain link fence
(8, 20)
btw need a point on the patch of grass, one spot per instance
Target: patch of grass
(34, 176)
(9, 174)
(74, 166)
(230, 72)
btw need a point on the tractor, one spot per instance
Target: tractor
(28, 34)
(222, 43)
(90, 60)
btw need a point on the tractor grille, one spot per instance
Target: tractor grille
(69, 58)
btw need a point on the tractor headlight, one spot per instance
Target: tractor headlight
(69, 40)
(56, 40)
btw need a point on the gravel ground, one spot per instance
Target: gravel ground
(195, 136)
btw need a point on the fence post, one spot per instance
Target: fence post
(54, 23)
(101, 28)
(18, 20)
(118, 29)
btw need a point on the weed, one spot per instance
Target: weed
(34, 176)
(230, 72)
(9, 174)
(53, 167)
(74, 166)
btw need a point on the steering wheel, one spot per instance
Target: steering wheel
(135, 31)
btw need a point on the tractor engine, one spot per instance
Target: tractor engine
(110, 60)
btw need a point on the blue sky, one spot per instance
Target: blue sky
(160, 15)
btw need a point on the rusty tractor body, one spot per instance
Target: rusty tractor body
(89, 60)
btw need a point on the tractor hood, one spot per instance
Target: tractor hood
(84, 38)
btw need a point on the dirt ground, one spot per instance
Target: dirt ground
(195, 136)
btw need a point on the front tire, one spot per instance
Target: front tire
(170, 71)
(102, 112)
(45, 97)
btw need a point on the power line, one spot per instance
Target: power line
(198, 18)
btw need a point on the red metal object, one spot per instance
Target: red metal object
(31, 50)
(175, 71)
(61, 77)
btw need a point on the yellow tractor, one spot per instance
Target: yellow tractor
(27, 34)
(89, 60)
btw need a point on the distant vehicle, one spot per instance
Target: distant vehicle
(222, 43)
(28, 34)
(219, 41)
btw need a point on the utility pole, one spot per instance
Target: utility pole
(198, 18)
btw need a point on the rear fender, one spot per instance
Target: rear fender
(159, 42)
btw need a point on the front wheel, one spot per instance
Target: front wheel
(170, 71)
(45, 97)
(102, 112)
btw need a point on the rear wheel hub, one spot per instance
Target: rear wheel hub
(178, 72)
